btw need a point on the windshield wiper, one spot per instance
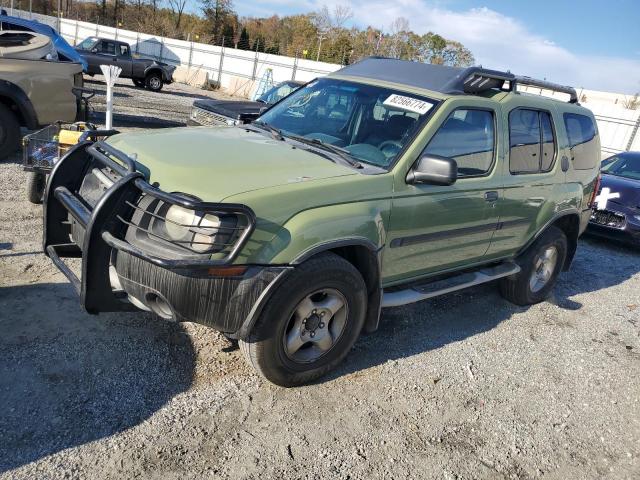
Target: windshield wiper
(341, 152)
(275, 132)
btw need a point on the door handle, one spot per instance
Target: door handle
(491, 196)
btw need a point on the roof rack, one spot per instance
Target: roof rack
(478, 79)
(532, 82)
(448, 80)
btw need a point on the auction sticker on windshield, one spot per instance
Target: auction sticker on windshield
(407, 103)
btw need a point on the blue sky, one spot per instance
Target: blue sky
(591, 44)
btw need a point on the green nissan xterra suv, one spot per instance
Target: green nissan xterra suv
(385, 183)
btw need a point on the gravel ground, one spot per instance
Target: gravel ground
(466, 386)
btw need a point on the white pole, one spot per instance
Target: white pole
(111, 74)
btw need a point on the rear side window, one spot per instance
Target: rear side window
(581, 131)
(123, 50)
(467, 136)
(532, 141)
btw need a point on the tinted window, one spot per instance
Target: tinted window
(524, 141)
(532, 143)
(108, 48)
(548, 142)
(583, 141)
(467, 136)
(87, 43)
(625, 165)
(277, 93)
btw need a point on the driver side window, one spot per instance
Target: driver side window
(467, 136)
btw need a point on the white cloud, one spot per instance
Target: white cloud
(496, 40)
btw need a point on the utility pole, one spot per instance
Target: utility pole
(320, 38)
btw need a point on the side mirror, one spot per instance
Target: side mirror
(94, 50)
(434, 170)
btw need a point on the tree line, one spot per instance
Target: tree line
(325, 35)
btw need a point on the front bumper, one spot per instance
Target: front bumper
(119, 276)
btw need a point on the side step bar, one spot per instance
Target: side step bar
(423, 291)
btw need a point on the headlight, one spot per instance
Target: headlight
(192, 229)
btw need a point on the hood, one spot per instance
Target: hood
(214, 163)
(237, 109)
(628, 189)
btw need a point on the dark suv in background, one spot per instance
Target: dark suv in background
(236, 112)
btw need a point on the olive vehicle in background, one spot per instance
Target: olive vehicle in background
(236, 112)
(144, 72)
(616, 213)
(385, 183)
(66, 53)
(35, 91)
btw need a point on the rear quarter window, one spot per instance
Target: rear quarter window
(583, 141)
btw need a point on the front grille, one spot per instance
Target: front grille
(609, 219)
(171, 226)
(148, 228)
(206, 117)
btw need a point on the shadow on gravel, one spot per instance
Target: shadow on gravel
(125, 120)
(195, 96)
(68, 378)
(429, 325)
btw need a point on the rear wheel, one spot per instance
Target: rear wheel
(310, 323)
(540, 266)
(9, 132)
(154, 82)
(36, 182)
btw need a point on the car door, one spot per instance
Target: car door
(123, 59)
(438, 228)
(104, 53)
(533, 177)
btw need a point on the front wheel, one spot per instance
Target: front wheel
(154, 82)
(36, 182)
(540, 266)
(311, 322)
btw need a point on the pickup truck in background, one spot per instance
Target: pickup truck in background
(144, 72)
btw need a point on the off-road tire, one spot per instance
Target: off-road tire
(153, 82)
(138, 83)
(9, 132)
(36, 182)
(517, 288)
(264, 348)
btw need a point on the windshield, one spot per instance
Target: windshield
(623, 166)
(277, 93)
(87, 43)
(372, 124)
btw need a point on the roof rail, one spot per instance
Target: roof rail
(445, 79)
(532, 82)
